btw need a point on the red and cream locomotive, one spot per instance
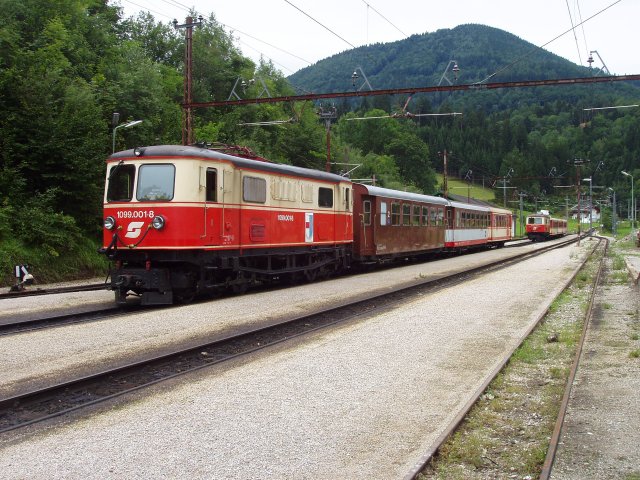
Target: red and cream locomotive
(183, 220)
(542, 226)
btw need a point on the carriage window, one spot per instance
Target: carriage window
(155, 182)
(383, 214)
(434, 217)
(212, 185)
(425, 216)
(395, 213)
(406, 214)
(415, 217)
(121, 178)
(441, 216)
(325, 197)
(366, 212)
(254, 189)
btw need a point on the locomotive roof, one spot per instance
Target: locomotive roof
(416, 197)
(166, 151)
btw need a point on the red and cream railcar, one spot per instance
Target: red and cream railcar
(468, 226)
(501, 226)
(543, 227)
(180, 220)
(389, 224)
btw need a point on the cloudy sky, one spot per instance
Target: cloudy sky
(296, 33)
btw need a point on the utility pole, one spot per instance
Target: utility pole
(578, 162)
(327, 116)
(187, 118)
(521, 195)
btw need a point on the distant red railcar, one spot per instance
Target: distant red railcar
(541, 227)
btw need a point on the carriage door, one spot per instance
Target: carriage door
(366, 226)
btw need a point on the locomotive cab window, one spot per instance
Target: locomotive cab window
(155, 182)
(121, 181)
(325, 197)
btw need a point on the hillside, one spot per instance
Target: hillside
(479, 51)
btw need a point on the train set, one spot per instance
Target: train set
(542, 226)
(184, 220)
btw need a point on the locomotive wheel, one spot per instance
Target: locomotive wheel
(185, 296)
(240, 284)
(311, 275)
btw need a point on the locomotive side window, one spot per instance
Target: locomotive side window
(155, 182)
(347, 199)
(212, 185)
(254, 189)
(325, 197)
(366, 212)
(121, 178)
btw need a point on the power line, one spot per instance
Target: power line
(266, 43)
(385, 18)
(519, 59)
(148, 9)
(573, 29)
(322, 25)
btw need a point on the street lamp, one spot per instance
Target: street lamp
(633, 204)
(590, 180)
(124, 125)
(613, 213)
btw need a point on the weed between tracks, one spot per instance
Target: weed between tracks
(507, 432)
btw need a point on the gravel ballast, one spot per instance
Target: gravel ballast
(361, 401)
(32, 360)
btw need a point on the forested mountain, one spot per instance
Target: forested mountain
(482, 54)
(66, 67)
(531, 134)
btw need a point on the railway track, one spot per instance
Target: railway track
(35, 406)
(39, 323)
(53, 291)
(455, 423)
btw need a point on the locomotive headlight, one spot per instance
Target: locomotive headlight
(158, 222)
(109, 223)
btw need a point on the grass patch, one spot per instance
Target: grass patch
(81, 261)
(635, 353)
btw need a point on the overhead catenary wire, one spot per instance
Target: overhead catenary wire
(522, 57)
(573, 29)
(319, 23)
(384, 18)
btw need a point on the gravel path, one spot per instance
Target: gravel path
(362, 401)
